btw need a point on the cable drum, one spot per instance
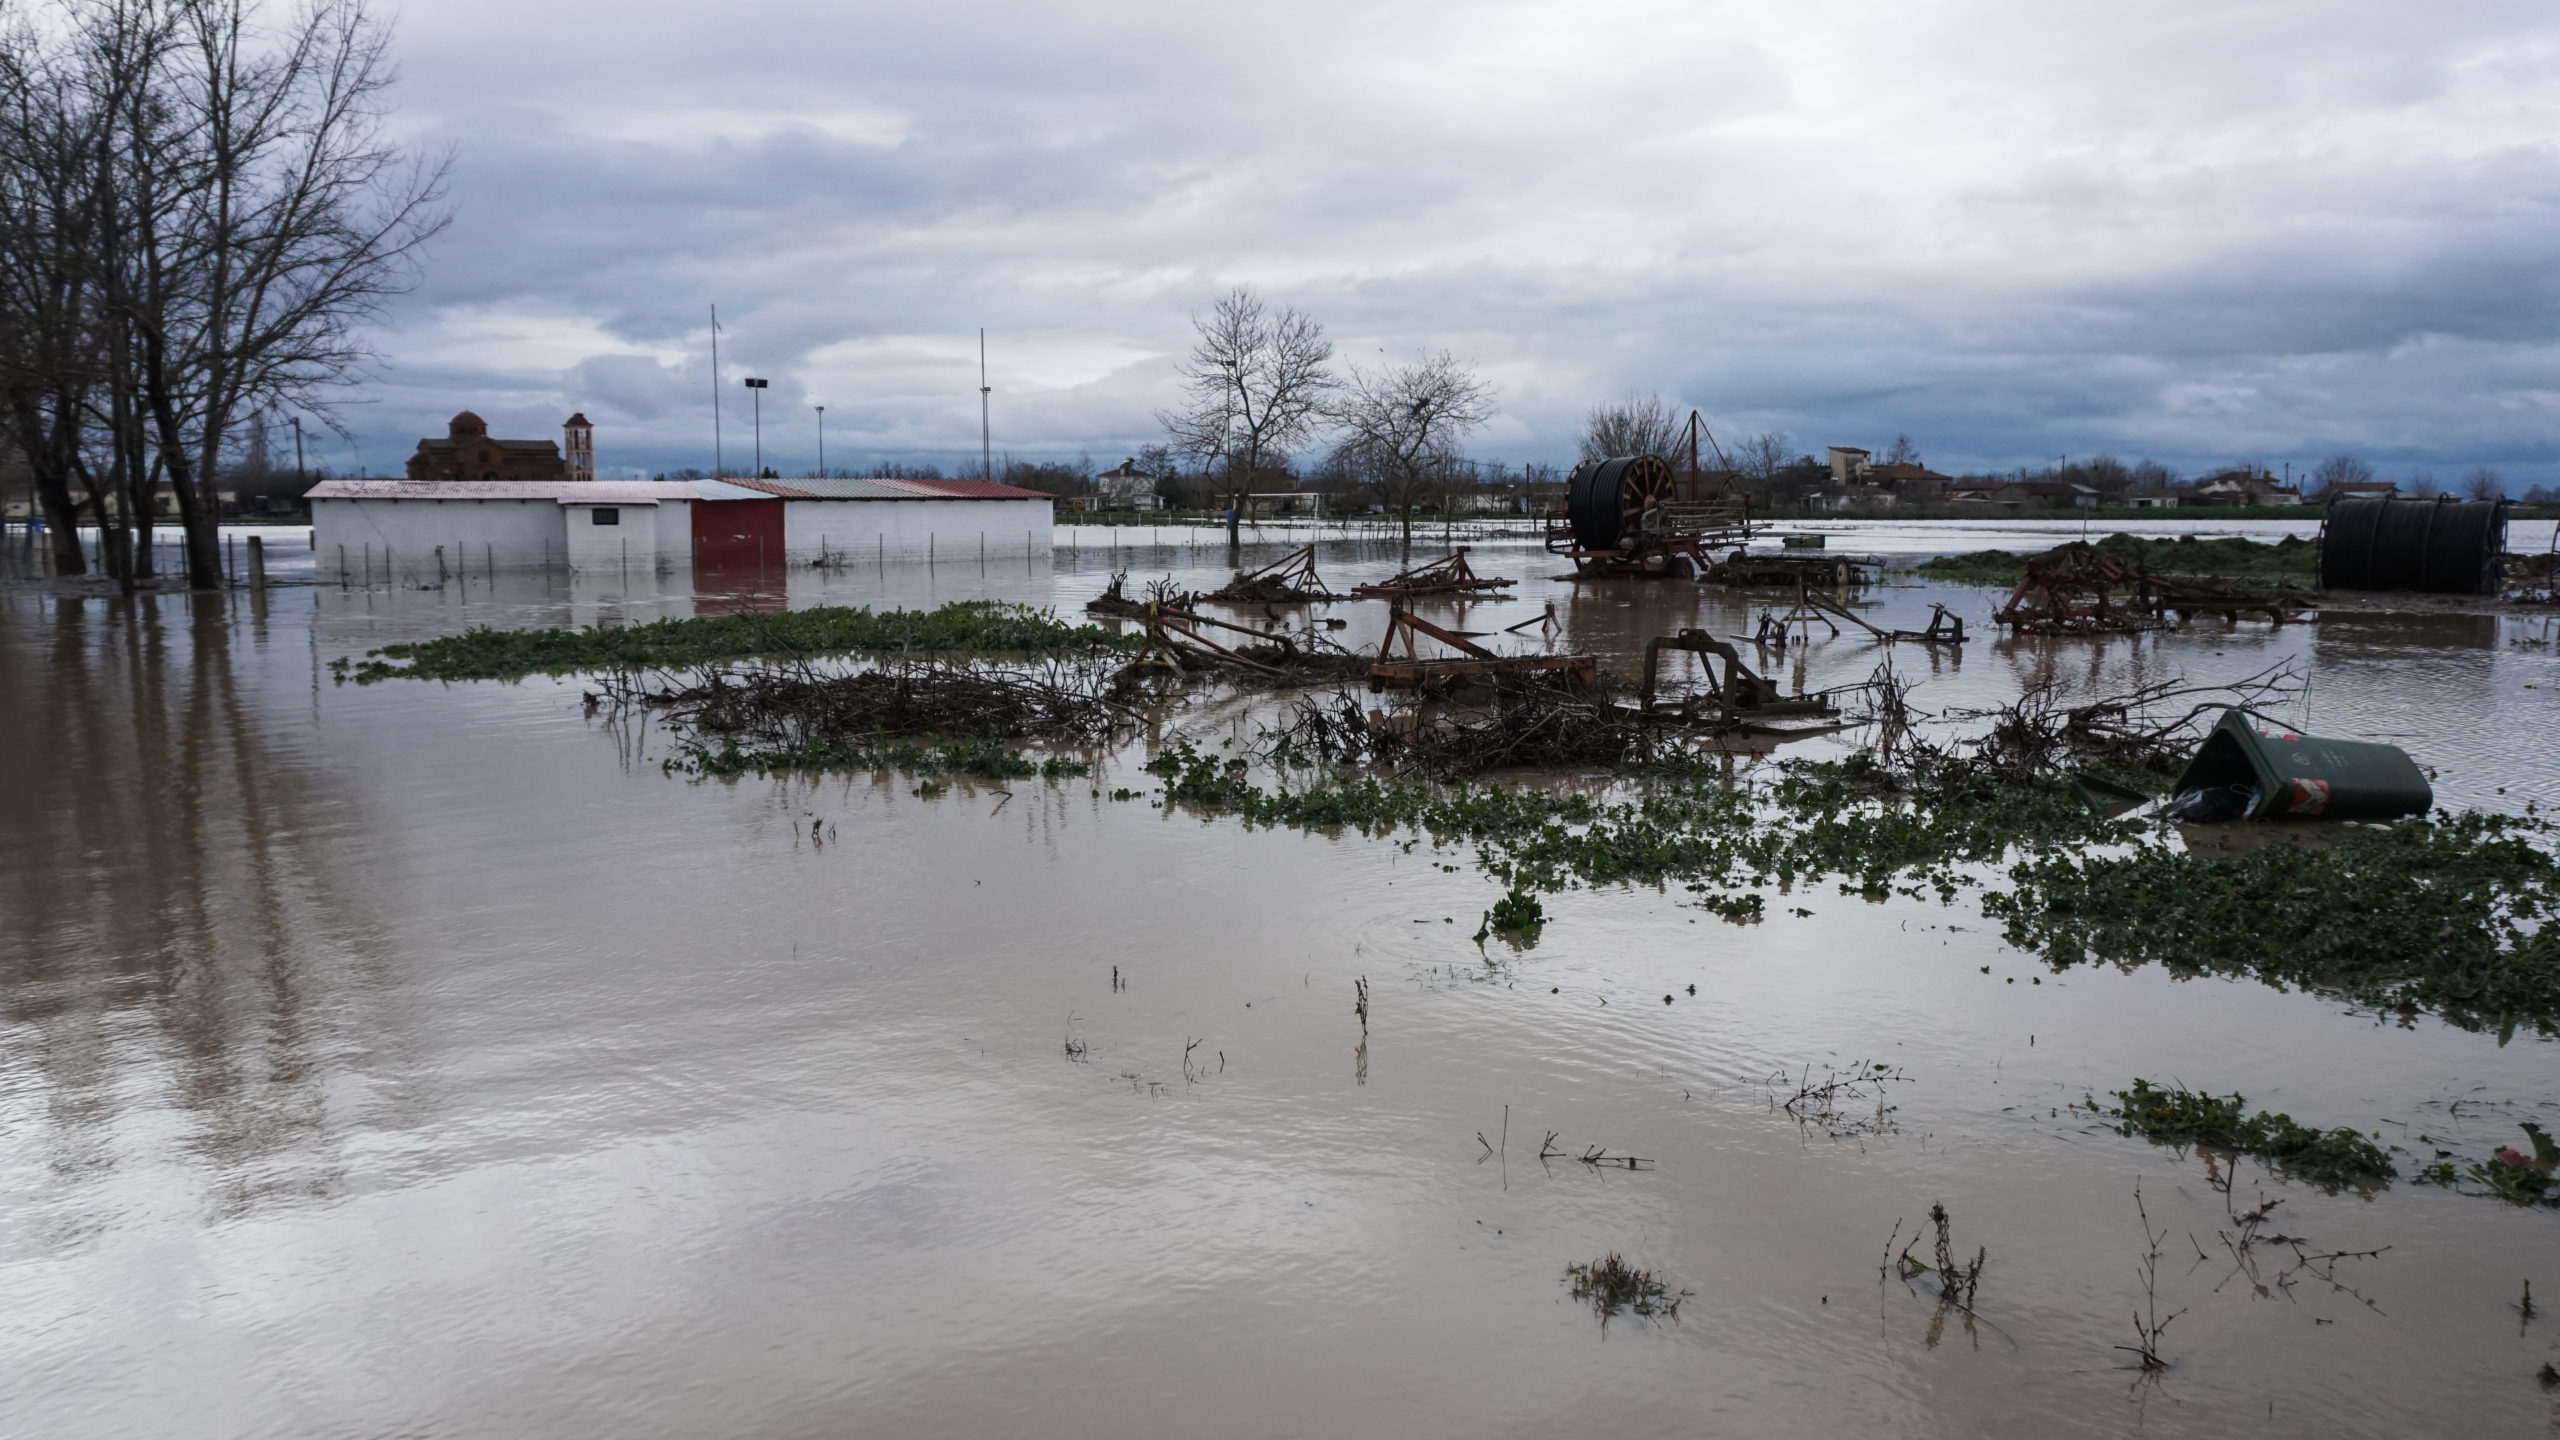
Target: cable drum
(2440, 546)
(1606, 500)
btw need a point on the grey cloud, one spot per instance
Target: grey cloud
(2188, 229)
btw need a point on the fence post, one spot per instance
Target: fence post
(257, 564)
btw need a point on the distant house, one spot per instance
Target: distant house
(1984, 493)
(2056, 494)
(2243, 487)
(467, 453)
(2155, 499)
(1912, 483)
(2377, 489)
(1124, 487)
(1849, 465)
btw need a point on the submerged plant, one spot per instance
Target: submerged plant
(1517, 913)
(2454, 916)
(2176, 1115)
(961, 627)
(1612, 1287)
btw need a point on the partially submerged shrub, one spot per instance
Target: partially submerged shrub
(2176, 1115)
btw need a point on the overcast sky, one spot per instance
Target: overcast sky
(2190, 229)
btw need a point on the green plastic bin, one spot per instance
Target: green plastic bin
(2307, 777)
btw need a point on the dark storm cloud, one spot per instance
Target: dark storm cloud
(2011, 230)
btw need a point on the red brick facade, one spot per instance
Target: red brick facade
(468, 453)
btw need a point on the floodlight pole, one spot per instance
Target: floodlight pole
(986, 435)
(822, 442)
(757, 388)
(717, 467)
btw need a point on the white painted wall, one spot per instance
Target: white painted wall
(380, 536)
(630, 543)
(860, 530)
(397, 539)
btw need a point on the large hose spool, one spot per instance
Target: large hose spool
(1606, 500)
(2439, 546)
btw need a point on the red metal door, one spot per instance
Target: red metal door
(737, 535)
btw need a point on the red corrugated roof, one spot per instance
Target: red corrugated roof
(968, 489)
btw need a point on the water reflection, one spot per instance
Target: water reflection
(176, 911)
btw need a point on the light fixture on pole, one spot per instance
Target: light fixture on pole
(759, 387)
(986, 436)
(822, 442)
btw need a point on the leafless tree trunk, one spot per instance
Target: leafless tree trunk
(299, 218)
(1255, 387)
(1404, 425)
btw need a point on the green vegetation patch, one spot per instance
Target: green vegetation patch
(2292, 560)
(962, 627)
(2453, 916)
(2330, 1159)
(1718, 837)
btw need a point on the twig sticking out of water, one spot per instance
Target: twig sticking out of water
(1360, 1003)
(1819, 1102)
(2147, 1323)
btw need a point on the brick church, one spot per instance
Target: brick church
(467, 453)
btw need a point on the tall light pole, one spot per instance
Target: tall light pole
(822, 442)
(758, 387)
(986, 436)
(718, 468)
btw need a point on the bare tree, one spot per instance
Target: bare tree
(1255, 387)
(1763, 455)
(1403, 426)
(1637, 425)
(235, 210)
(2484, 483)
(2340, 470)
(2423, 483)
(1902, 452)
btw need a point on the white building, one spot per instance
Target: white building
(413, 530)
(1125, 487)
(1849, 465)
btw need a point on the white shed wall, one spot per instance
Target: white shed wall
(399, 537)
(628, 544)
(380, 536)
(860, 530)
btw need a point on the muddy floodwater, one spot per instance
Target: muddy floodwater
(424, 1060)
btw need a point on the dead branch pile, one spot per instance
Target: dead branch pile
(1526, 720)
(2151, 728)
(796, 705)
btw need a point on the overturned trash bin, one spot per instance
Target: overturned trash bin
(2244, 773)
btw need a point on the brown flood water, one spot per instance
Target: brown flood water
(423, 1061)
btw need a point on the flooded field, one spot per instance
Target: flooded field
(426, 1060)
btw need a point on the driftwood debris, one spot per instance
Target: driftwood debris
(1116, 601)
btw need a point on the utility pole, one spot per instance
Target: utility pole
(986, 436)
(822, 442)
(757, 388)
(717, 468)
(299, 477)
